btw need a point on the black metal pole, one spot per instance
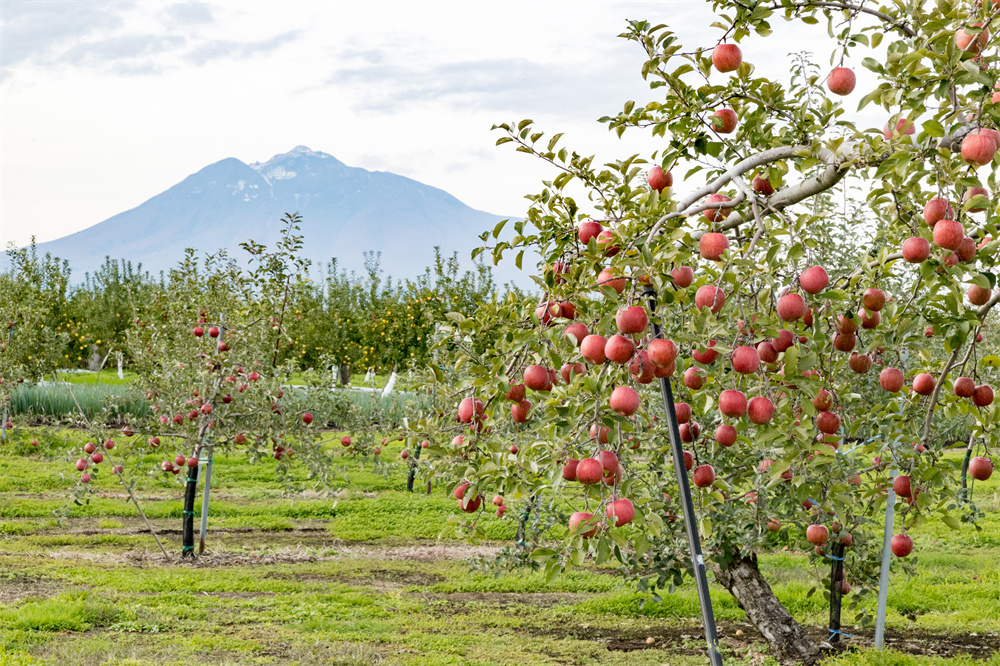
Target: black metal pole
(964, 493)
(690, 520)
(836, 589)
(413, 469)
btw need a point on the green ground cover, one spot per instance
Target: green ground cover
(360, 577)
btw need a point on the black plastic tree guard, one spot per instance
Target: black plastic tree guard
(187, 543)
(684, 487)
(413, 468)
(836, 589)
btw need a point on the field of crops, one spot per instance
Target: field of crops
(361, 578)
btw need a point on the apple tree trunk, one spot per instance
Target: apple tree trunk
(786, 637)
(345, 374)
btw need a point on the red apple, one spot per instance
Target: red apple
(873, 299)
(727, 57)
(916, 249)
(631, 320)
(745, 360)
(198, 331)
(600, 435)
(760, 410)
(891, 380)
(901, 545)
(817, 534)
(589, 471)
(517, 392)
(948, 234)
(537, 378)
(519, 412)
(979, 295)
(923, 384)
(575, 333)
(693, 378)
(791, 307)
(620, 512)
(903, 126)
(619, 349)
(661, 352)
(729, 121)
(901, 486)
(710, 296)
(973, 192)
(973, 42)
(983, 396)
(823, 400)
(689, 432)
(624, 400)
(725, 434)
(966, 249)
(584, 518)
(980, 469)
(828, 422)
(978, 148)
(841, 81)
(682, 276)
(606, 278)
(569, 469)
(703, 476)
(845, 342)
(712, 245)
(606, 240)
(869, 322)
(345, 440)
(588, 230)
(784, 341)
(732, 403)
(814, 280)
(592, 349)
(937, 209)
(659, 179)
(964, 387)
(213, 332)
(762, 185)
(717, 214)
(708, 356)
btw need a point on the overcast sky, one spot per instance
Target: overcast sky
(106, 104)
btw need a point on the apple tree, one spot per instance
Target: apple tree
(806, 378)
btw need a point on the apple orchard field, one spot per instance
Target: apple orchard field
(362, 578)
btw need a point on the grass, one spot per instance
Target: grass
(361, 578)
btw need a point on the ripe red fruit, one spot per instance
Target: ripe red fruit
(683, 412)
(609, 462)
(717, 214)
(972, 43)
(192, 462)
(693, 378)
(901, 545)
(903, 126)
(206, 408)
(710, 296)
(569, 469)
(966, 249)
(732, 403)
(632, 319)
(606, 278)
(823, 400)
(85, 478)
(869, 322)
(814, 280)
(923, 384)
(938, 209)
(81, 465)
(606, 240)
(873, 299)
(468, 408)
(978, 148)
(661, 352)
(568, 370)
(828, 422)
(575, 333)
(89, 447)
(745, 360)
(845, 342)
(516, 393)
(712, 245)
(620, 512)
(725, 434)
(817, 535)
(762, 185)
(901, 486)
(619, 349)
(784, 341)
(592, 349)
(916, 249)
(978, 295)
(760, 410)
(253, 376)
(213, 332)
(588, 230)
(547, 311)
(727, 57)
(973, 192)
(180, 460)
(537, 378)
(624, 400)
(766, 352)
(980, 469)
(97, 458)
(891, 379)
(704, 476)
(226, 399)
(708, 356)
(589, 471)
(948, 234)
(791, 307)
(513, 449)
(689, 432)
(688, 460)
(728, 118)
(404, 454)
(582, 517)
(659, 179)
(841, 81)
(198, 331)
(345, 441)
(519, 412)
(983, 396)
(682, 276)
(471, 505)
(964, 387)
(567, 310)
(600, 435)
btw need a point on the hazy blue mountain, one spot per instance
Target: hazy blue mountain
(345, 211)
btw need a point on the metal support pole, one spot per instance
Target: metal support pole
(883, 581)
(836, 589)
(207, 466)
(690, 520)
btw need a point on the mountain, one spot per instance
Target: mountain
(345, 212)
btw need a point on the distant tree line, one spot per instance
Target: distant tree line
(335, 318)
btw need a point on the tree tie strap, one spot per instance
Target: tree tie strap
(192, 479)
(188, 513)
(835, 558)
(834, 632)
(187, 549)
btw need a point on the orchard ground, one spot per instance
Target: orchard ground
(361, 578)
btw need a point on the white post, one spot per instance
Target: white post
(206, 470)
(389, 384)
(121, 375)
(883, 581)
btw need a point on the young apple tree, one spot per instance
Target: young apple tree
(806, 379)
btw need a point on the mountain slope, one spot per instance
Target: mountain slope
(346, 211)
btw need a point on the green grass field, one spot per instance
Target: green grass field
(361, 578)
